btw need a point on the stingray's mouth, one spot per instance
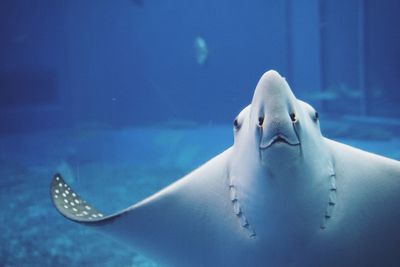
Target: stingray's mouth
(279, 139)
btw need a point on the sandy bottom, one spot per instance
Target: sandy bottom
(112, 169)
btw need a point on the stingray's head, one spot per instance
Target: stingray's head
(278, 137)
(278, 127)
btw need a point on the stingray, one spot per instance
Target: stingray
(281, 195)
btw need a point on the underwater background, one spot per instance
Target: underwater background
(124, 97)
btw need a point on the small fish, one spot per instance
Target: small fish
(201, 50)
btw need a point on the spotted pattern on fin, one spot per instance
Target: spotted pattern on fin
(238, 210)
(70, 204)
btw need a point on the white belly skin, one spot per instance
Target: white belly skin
(192, 222)
(364, 228)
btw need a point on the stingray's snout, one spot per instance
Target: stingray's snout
(274, 111)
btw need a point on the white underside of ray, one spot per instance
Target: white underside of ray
(363, 230)
(192, 222)
(305, 201)
(189, 223)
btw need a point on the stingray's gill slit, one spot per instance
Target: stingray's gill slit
(70, 204)
(331, 201)
(237, 209)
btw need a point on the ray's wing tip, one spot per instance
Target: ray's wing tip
(70, 204)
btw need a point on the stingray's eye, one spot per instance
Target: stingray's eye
(293, 117)
(236, 124)
(260, 121)
(316, 116)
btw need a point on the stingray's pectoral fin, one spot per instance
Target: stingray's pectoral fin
(72, 206)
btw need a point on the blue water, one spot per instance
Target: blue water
(111, 94)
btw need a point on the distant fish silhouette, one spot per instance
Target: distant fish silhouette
(201, 50)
